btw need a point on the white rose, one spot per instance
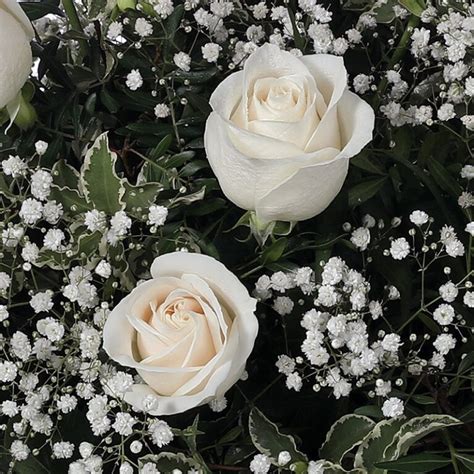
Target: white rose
(188, 332)
(282, 131)
(16, 33)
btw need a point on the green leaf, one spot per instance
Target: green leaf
(36, 10)
(372, 448)
(161, 148)
(369, 410)
(4, 188)
(345, 434)
(268, 440)
(363, 162)
(444, 180)
(364, 191)
(467, 460)
(331, 468)
(273, 252)
(100, 183)
(139, 198)
(423, 462)
(168, 462)
(65, 175)
(71, 200)
(415, 429)
(417, 7)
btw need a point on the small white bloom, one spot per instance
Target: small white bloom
(218, 404)
(143, 27)
(183, 61)
(14, 166)
(444, 314)
(400, 248)
(294, 381)
(285, 364)
(393, 408)
(157, 215)
(470, 228)
(283, 305)
(419, 217)
(53, 239)
(103, 269)
(361, 238)
(115, 30)
(210, 52)
(134, 80)
(5, 281)
(162, 111)
(444, 343)
(260, 464)
(164, 8)
(468, 299)
(31, 211)
(160, 432)
(41, 182)
(41, 147)
(448, 291)
(42, 302)
(284, 457)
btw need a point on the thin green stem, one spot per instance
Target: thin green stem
(75, 22)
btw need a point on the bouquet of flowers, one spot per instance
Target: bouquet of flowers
(236, 236)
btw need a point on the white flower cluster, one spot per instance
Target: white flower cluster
(341, 348)
(441, 50)
(51, 323)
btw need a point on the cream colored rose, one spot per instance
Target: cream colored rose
(282, 131)
(188, 332)
(16, 33)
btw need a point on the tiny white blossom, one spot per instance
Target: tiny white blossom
(218, 404)
(260, 464)
(210, 52)
(393, 408)
(162, 111)
(157, 215)
(400, 248)
(143, 27)
(103, 269)
(42, 301)
(134, 80)
(41, 147)
(53, 239)
(361, 238)
(419, 217)
(183, 61)
(160, 432)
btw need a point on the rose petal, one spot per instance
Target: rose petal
(290, 202)
(356, 119)
(331, 78)
(14, 9)
(15, 55)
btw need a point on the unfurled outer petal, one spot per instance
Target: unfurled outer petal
(15, 51)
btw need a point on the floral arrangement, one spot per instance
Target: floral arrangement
(236, 236)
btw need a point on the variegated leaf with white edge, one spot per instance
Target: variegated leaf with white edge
(372, 448)
(99, 180)
(344, 435)
(415, 429)
(267, 438)
(329, 467)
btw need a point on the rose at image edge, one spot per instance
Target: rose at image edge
(119, 336)
(295, 178)
(16, 58)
